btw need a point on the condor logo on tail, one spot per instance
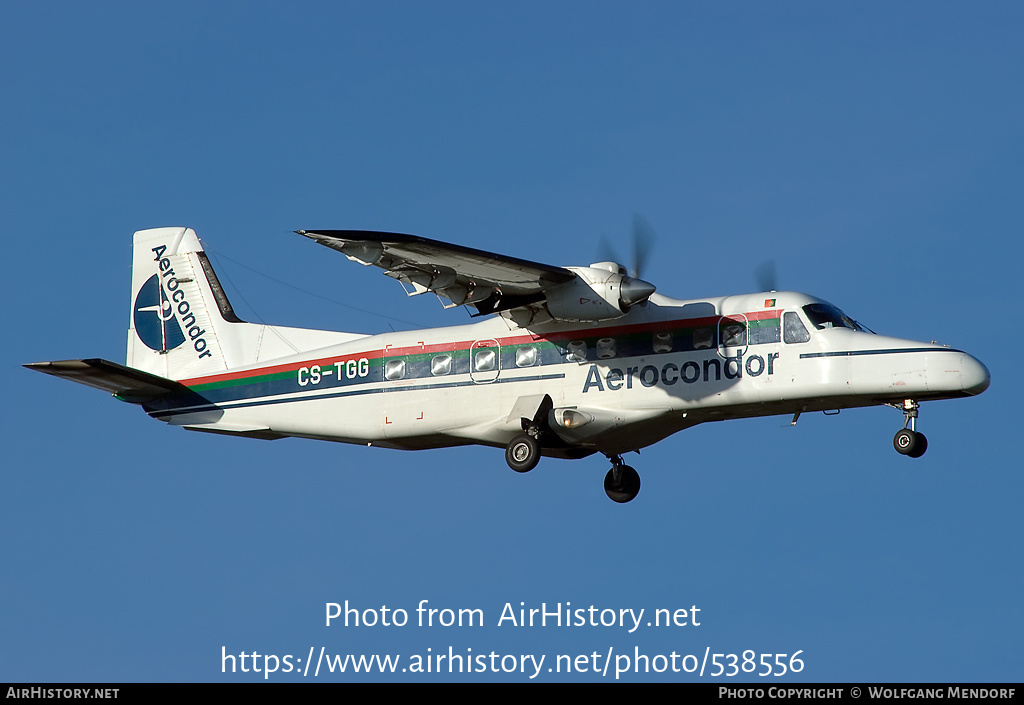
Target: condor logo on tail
(155, 322)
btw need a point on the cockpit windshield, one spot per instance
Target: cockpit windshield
(828, 316)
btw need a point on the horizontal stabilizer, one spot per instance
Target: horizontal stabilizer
(125, 383)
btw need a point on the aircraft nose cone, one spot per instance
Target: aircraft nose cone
(974, 376)
(633, 291)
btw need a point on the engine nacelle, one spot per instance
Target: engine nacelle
(596, 294)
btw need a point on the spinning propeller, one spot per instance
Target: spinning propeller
(633, 289)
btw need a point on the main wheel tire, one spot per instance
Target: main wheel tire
(623, 488)
(910, 443)
(920, 447)
(522, 453)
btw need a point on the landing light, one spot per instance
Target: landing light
(570, 418)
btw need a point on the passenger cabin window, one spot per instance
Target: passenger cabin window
(577, 351)
(793, 330)
(394, 369)
(734, 334)
(484, 360)
(526, 356)
(662, 342)
(441, 365)
(605, 348)
(703, 338)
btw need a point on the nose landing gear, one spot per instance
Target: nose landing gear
(908, 441)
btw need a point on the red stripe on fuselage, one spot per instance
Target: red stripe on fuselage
(423, 349)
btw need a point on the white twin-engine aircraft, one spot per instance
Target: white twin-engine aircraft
(575, 360)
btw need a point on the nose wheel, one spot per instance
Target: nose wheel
(908, 441)
(622, 483)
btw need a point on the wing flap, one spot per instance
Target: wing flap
(125, 383)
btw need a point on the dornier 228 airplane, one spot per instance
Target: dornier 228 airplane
(566, 361)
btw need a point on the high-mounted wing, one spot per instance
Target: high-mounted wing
(463, 275)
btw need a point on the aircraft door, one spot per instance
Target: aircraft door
(485, 361)
(732, 335)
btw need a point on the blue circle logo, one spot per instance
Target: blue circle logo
(155, 322)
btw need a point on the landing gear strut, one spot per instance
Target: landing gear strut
(622, 483)
(908, 441)
(523, 452)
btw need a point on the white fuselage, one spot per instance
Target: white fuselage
(630, 381)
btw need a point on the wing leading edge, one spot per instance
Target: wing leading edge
(487, 281)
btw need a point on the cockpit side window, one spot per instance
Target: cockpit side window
(826, 316)
(793, 330)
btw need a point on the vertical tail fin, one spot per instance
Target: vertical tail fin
(182, 325)
(180, 313)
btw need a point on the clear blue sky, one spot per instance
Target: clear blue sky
(873, 150)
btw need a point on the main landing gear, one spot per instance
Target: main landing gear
(908, 441)
(622, 483)
(523, 453)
